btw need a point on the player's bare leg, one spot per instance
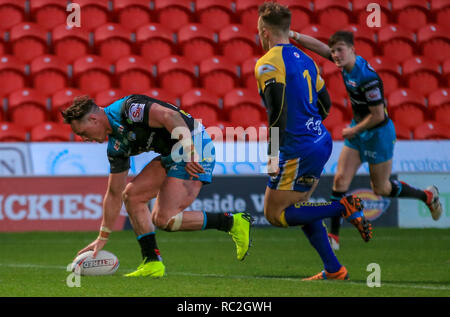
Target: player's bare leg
(348, 164)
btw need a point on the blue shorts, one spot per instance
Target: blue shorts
(300, 173)
(376, 145)
(205, 148)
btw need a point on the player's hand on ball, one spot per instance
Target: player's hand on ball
(96, 246)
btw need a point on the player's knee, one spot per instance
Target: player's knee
(274, 220)
(128, 194)
(380, 190)
(170, 224)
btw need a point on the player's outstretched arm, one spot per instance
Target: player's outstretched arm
(311, 44)
(112, 203)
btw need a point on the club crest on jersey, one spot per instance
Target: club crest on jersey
(117, 145)
(136, 112)
(296, 54)
(266, 68)
(373, 94)
(120, 129)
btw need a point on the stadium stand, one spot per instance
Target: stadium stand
(431, 130)
(170, 49)
(51, 132)
(11, 132)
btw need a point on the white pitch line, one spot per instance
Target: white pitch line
(386, 284)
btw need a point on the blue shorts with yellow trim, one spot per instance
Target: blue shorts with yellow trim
(300, 173)
(205, 147)
(375, 145)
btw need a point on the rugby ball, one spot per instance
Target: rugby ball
(105, 263)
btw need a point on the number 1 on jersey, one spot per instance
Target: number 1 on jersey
(308, 78)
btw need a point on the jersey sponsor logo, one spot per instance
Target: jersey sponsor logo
(136, 112)
(373, 94)
(266, 68)
(314, 125)
(296, 54)
(117, 145)
(351, 83)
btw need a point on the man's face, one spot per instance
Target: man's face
(342, 54)
(263, 34)
(89, 129)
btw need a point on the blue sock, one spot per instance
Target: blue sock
(318, 237)
(306, 212)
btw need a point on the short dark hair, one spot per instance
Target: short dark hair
(342, 36)
(80, 107)
(275, 15)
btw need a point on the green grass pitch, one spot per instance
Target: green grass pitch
(413, 262)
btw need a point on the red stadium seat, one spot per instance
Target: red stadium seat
(27, 107)
(107, 97)
(389, 71)
(339, 111)
(48, 13)
(201, 104)
(431, 130)
(70, 43)
(131, 14)
(173, 14)
(402, 132)
(361, 13)
(237, 43)
(218, 75)
(28, 40)
(364, 39)
(12, 12)
(244, 108)
(12, 74)
(396, 42)
(10, 132)
(91, 74)
(440, 9)
(161, 94)
(410, 13)
(248, 73)
(215, 14)
(247, 11)
(333, 78)
(196, 42)
(48, 74)
(439, 104)
(176, 74)
(155, 42)
(94, 13)
(112, 41)
(301, 13)
(422, 74)
(51, 132)
(434, 42)
(334, 14)
(407, 108)
(61, 100)
(134, 74)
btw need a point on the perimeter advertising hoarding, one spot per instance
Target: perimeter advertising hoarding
(52, 204)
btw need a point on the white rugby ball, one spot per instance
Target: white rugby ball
(105, 263)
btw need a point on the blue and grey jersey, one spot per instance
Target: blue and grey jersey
(132, 134)
(365, 89)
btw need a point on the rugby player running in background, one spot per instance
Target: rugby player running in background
(137, 124)
(297, 101)
(371, 134)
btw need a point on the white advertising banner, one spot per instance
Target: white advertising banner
(415, 214)
(15, 160)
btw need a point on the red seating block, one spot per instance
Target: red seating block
(28, 40)
(91, 74)
(196, 42)
(12, 12)
(154, 42)
(48, 13)
(176, 74)
(247, 10)
(410, 13)
(407, 108)
(70, 43)
(431, 130)
(422, 74)
(12, 74)
(218, 75)
(439, 104)
(27, 107)
(237, 43)
(301, 13)
(161, 94)
(440, 9)
(201, 104)
(173, 14)
(48, 74)
(334, 14)
(244, 107)
(11, 132)
(134, 74)
(215, 14)
(94, 13)
(434, 42)
(402, 132)
(396, 42)
(131, 14)
(112, 41)
(106, 97)
(51, 132)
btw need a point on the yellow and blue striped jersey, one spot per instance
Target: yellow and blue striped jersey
(289, 67)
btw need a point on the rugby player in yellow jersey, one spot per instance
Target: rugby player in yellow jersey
(297, 101)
